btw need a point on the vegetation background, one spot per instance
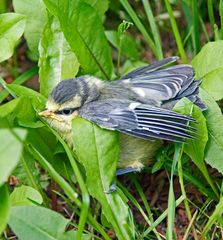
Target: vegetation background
(49, 192)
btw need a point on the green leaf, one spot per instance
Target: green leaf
(213, 83)
(215, 216)
(10, 151)
(214, 148)
(25, 195)
(38, 100)
(210, 58)
(129, 48)
(100, 5)
(9, 107)
(4, 207)
(99, 152)
(87, 41)
(12, 26)
(56, 61)
(35, 12)
(32, 222)
(195, 148)
(22, 109)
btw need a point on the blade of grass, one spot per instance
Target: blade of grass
(137, 205)
(186, 203)
(196, 26)
(180, 173)
(171, 197)
(186, 235)
(4, 85)
(162, 217)
(188, 17)
(216, 215)
(143, 197)
(221, 17)
(198, 183)
(154, 28)
(140, 26)
(204, 29)
(211, 14)
(20, 80)
(85, 195)
(176, 32)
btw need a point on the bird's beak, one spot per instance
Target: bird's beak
(49, 114)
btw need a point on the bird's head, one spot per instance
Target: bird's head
(66, 99)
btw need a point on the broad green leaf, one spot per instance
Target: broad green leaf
(213, 83)
(87, 41)
(12, 26)
(36, 223)
(214, 118)
(35, 12)
(9, 107)
(129, 48)
(100, 5)
(36, 98)
(25, 195)
(98, 152)
(21, 108)
(10, 151)
(195, 148)
(210, 58)
(70, 64)
(4, 207)
(56, 61)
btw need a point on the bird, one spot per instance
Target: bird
(137, 105)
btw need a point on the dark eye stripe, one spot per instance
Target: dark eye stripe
(66, 111)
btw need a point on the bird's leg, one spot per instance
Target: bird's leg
(126, 170)
(118, 173)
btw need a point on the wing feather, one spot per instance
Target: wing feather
(139, 120)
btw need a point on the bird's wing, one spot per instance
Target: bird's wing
(159, 83)
(139, 120)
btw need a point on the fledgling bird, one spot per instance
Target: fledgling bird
(137, 105)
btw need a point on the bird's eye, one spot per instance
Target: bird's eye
(66, 111)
